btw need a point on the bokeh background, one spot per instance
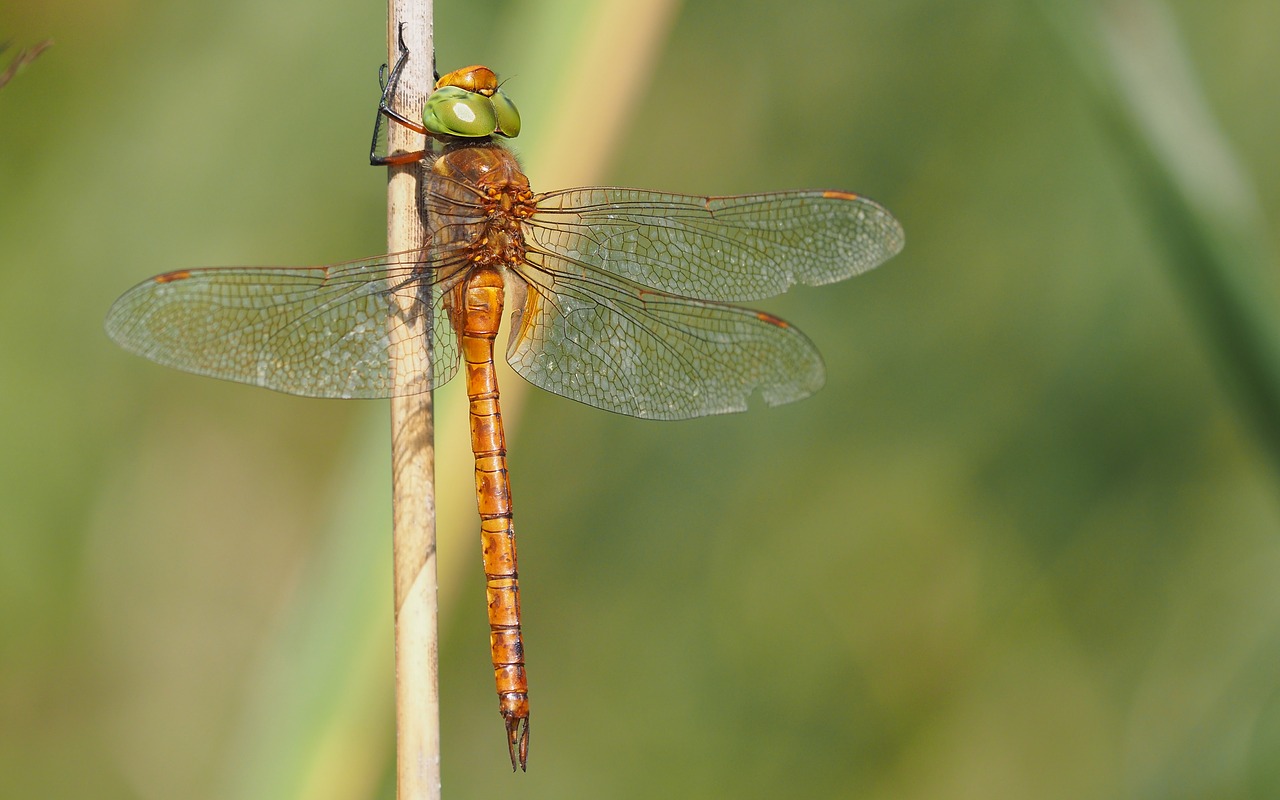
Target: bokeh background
(1025, 543)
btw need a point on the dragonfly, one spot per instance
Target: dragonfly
(622, 299)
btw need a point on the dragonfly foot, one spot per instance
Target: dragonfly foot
(518, 741)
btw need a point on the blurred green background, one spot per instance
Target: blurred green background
(1023, 545)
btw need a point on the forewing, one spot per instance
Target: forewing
(746, 247)
(314, 331)
(615, 345)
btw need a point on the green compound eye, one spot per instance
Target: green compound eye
(454, 111)
(508, 116)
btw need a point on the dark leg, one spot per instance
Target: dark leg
(388, 84)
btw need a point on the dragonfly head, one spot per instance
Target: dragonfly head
(467, 102)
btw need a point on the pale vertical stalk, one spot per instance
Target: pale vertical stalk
(412, 444)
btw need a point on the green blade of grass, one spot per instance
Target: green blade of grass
(1199, 201)
(1201, 204)
(316, 716)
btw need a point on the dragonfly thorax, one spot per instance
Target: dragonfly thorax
(480, 165)
(476, 198)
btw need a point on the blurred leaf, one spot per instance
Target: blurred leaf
(314, 721)
(1201, 204)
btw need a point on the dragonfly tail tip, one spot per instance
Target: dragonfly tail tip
(518, 742)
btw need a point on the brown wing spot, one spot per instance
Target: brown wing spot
(170, 277)
(772, 320)
(834, 195)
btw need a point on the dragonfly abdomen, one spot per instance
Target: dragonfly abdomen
(477, 312)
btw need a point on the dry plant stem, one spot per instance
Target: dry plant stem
(412, 443)
(23, 58)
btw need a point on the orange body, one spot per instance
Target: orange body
(485, 244)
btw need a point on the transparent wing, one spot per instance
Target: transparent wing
(610, 343)
(314, 331)
(717, 248)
